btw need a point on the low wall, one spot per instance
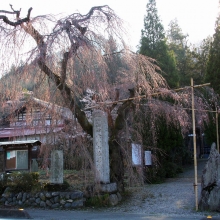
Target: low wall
(62, 200)
(65, 200)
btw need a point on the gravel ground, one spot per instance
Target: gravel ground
(174, 197)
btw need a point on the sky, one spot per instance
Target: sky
(195, 17)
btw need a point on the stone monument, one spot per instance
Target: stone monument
(101, 158)
(34, 166)
(210, 183)
(56, 176)
(101, 147)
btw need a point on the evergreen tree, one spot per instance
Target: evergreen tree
(177, 43)
(191, 61)
(114, 60)
(153, 44)
(200, 58)
(213, 65)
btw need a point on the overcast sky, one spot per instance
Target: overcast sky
(195, 17)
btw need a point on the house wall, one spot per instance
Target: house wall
(37, 120)
(35, 116)
(43, 138)
(32, 122)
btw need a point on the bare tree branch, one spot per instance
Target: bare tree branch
(19, 21)
(61, 85)
(7, 12)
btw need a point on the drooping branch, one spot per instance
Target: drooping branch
(60, 83)
(75, 27)
(120, 120)
(90, 13)
(66, 92)
(106, 56)
(78, 27)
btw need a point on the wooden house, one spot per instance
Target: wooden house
(33, 120)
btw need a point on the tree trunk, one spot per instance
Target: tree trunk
(115, 149)
(116, 164)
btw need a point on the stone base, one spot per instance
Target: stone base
(105, 188)
(108, 188)
(112, 190)
(114, 199)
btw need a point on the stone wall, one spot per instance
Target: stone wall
(63, 200)
(60, 200)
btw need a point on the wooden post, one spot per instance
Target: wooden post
(217, 129)
(194, 145)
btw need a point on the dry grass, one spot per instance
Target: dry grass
(77, 180)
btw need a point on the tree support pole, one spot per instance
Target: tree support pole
(194, 145)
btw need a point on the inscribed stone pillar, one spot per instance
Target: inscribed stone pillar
(56, 167)
(100, 146)
(34, 166)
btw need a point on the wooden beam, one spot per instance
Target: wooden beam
(141, 96)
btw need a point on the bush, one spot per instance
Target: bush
(28, 182)
(56, 187)
(3, 184)
(20, 181)
(98, 201)
(171, 169)
(155, 175)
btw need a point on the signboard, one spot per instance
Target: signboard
(22, 159)
(136, 154)
(18, 154)
(17, 159)
(147, 158)
(10, 160)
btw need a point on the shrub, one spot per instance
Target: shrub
(21, 181)
(3, 184)
(155, 175)
(171, 169)
(98, 201)
(56, 187)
